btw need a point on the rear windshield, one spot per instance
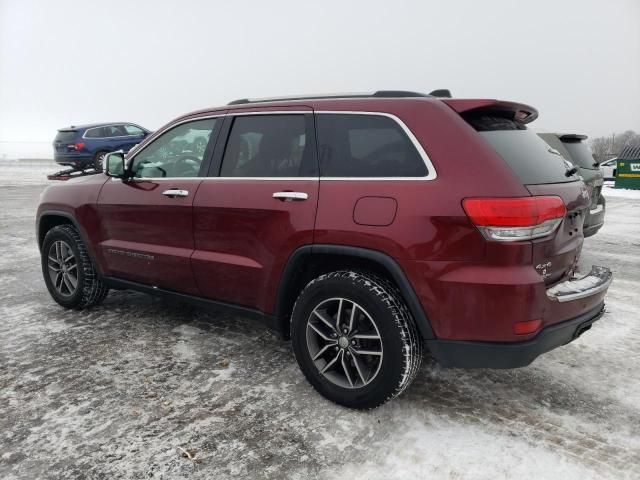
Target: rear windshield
(530, 157)
(66, 136)
(580, 154)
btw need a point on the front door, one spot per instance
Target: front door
(261, 207)
(147, 220)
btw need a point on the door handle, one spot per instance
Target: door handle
(175, 192)
(291, 196)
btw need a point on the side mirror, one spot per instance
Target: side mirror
(114, 164)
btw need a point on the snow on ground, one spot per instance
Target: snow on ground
(114, 391)
(610, 191)
(18, 173)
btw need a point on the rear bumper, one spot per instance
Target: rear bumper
(463, 354)
(73, 159)
(594, 219)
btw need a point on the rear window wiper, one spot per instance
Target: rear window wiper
(572, 171)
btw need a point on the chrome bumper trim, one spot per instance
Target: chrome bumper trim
(597, 281)
(598, 209)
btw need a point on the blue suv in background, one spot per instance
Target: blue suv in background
(85, 146)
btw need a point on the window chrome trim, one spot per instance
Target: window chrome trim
(275, 112)
(175, 179)
(431, 171)
(431, 175)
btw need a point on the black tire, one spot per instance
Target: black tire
(98, 160)
(89, 289)
(400, 342)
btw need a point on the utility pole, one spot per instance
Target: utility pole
(613, 143)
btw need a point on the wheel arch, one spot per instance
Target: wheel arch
(311, 261)
(49, 219)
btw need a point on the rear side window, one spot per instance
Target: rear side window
(269, 146)
(352, 145)
(95, 133)
(580, 154)
(66, 136)
(115, 131)
(530, 157)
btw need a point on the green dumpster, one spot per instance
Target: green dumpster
(628, 169)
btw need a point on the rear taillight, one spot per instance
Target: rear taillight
(513, 219)
(77, 146)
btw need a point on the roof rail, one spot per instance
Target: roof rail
(378, 94)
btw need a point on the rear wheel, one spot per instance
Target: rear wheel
(68, 272)
(354, 339)
(98, 161)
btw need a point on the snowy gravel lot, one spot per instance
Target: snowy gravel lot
(114, 391)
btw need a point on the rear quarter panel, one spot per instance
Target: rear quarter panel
(431, 237)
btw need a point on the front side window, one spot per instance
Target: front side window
(132, 130)
(115, 131)
(352, 145)
(269, 146)
(178, 152)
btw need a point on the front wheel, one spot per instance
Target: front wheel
(354, 339)
(69, 274)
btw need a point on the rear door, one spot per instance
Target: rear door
(257, 206)
(543, 171)
(146, 221)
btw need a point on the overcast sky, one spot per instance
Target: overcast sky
(69, 62)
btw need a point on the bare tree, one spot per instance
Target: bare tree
(604, 148)
(601, 148)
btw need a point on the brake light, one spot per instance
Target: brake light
(513, 219)
(78, 146)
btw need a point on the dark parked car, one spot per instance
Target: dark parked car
(85, 146)
(575, 149)
(365, 228)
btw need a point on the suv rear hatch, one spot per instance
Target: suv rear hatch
(545, 174)
(65, 140)
(573, 148)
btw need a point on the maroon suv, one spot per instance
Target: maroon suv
(364, 227)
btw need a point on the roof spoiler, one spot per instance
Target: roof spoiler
(519, 112)
(441, 93)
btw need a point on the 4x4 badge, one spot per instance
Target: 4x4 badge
(542, 269)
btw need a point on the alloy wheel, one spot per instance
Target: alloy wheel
(344, 343)
(63, 268)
